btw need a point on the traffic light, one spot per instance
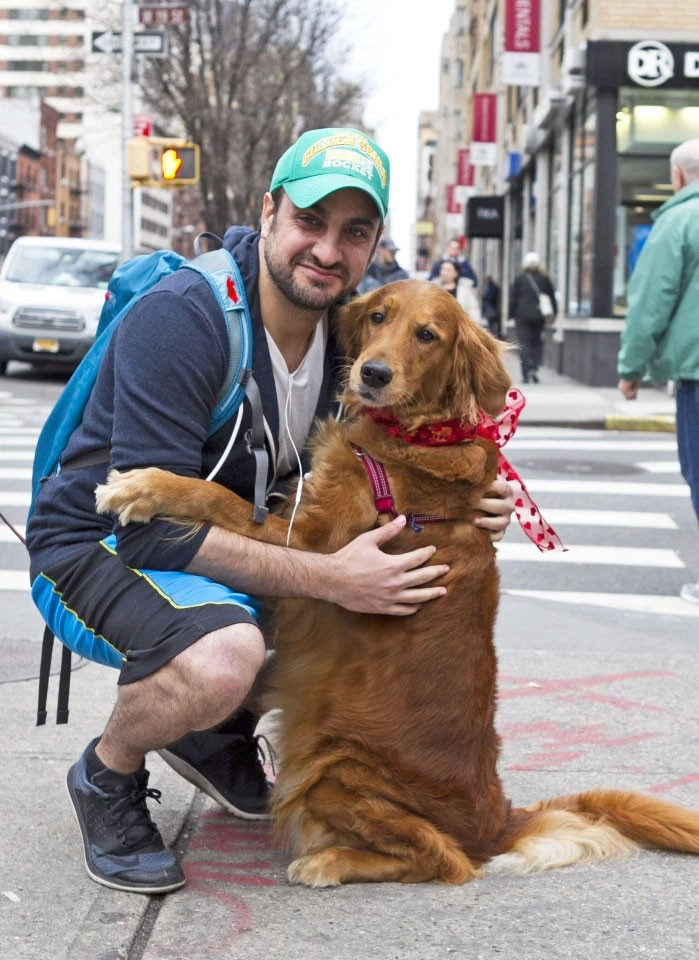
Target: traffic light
(162, 162)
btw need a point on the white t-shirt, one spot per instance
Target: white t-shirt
(297, 396)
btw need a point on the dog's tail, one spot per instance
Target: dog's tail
(594, 826)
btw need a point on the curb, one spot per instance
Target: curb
(657, 424)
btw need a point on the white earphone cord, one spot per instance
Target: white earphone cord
(299, 485)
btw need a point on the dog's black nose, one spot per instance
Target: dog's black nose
(376, 374)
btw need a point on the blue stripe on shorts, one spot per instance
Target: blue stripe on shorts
(181, 590)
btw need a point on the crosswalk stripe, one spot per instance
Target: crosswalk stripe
(616, 556)
(610, 518)
(7, 536)
(15, 473)
(22, 439)
(14, 580)
(639, 603)
(16, 454)
(659, 466)
(620, 445)
(15, 498)
(620, 488)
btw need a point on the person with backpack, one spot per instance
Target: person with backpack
(533, 305)
(179, 616)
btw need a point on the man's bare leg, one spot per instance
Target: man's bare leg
(199, 688)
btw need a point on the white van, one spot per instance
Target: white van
(51, 294)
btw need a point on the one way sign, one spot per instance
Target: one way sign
(152, 42)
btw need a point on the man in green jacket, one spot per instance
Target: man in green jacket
(661, 337)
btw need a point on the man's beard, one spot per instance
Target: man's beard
(307, 296)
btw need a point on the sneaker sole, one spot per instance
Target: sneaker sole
(197, 779)
(100, 878)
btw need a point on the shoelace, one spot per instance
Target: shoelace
(269, 755)
(130, 813)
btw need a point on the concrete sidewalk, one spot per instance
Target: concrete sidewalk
(560, 401)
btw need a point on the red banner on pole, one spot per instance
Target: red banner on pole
(452, 205)
(484, 118)
(464, 169)
(521, 59)
(522, 21)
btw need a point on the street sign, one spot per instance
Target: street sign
(158, 15)
(152, 42)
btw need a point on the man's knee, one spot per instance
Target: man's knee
(224, 663)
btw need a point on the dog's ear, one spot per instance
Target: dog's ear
(480, 378)
(350, 324)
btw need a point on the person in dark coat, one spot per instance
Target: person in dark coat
(531, 313)
(384, 268)
(490, 305)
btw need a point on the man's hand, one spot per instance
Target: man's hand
(629, 388)
(361, 577)
(498, 504)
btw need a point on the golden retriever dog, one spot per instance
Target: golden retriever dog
(387, 743)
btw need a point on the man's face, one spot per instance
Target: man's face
(317, 255)
(454, 249)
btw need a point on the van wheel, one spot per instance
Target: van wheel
(3, 368)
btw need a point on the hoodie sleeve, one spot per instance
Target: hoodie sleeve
(654, 291)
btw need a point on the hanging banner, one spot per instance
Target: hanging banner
(464, 169)
(521, 59)
(483, 151)
(453, 206)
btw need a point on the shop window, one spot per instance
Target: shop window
(581, 210)
(650, 123)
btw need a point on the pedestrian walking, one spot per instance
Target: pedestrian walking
(455, 254)
(460, 287)
(532, 305)
(491, 306)
(384, 268)
(179, 616)
(660, 339)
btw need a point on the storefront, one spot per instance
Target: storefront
(607, 164)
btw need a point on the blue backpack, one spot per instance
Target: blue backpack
(129, 283)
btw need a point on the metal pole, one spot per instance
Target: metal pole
(127, 59)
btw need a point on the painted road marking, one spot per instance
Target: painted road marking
(617, 556)
(614, 487)
(7, 536)
(617, 446)
(15, 498)
(611, 518)
(14, 580)
(638, 603)
(16, 454)
(15, 473)
(659, 466)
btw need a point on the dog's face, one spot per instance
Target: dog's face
(417, 353)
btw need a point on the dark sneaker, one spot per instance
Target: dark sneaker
(123, 848)
(227, 767)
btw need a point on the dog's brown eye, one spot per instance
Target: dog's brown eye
(376, 317)
(425, 335)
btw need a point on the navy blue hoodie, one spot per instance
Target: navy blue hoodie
(150, 406)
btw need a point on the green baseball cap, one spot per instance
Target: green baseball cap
(323, 161)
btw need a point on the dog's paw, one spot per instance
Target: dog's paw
(315, 870)
(128, 496)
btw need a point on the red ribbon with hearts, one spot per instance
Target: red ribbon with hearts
(499, 431)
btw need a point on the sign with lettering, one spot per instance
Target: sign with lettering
(485, 216)
(521, 59)
(646, 63)
(483, 143)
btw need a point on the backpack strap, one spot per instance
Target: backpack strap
(44, 674)
(220, 270)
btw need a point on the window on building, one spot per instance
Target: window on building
(582, 131)
(650, 123)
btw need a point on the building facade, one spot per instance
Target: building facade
(580, 154)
